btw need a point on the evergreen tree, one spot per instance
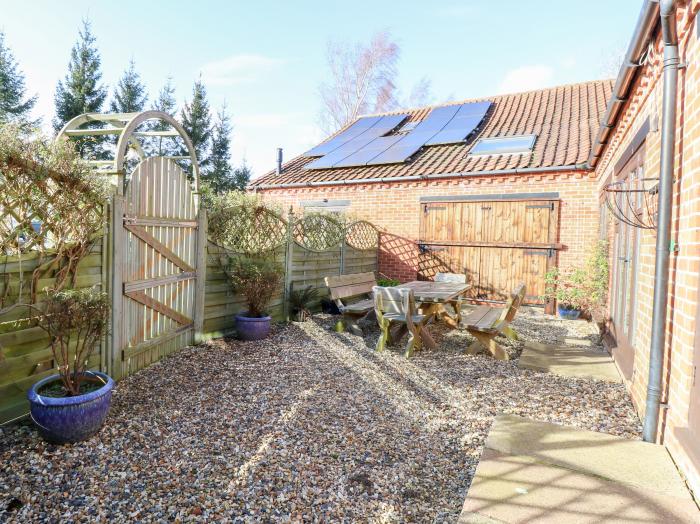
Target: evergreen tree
(81, 90)
(15, 106)
(165, 102)
(219, 175)
(241, 176)
(130, 95)
(196, 119)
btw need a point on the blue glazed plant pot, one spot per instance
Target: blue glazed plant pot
(568, 314)
(252, 328)
(70, 419)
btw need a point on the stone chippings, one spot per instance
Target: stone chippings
(307, 426)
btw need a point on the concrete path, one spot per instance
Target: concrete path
(538, 472)
(569, 361)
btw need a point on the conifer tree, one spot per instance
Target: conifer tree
(165, 102)
(81, 90)
(241, 176)
(130, 94)
(15, 105)
(219, 175)
(196, 119)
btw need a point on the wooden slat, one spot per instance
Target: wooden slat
(168, 222)
(137, 285)
(162, 339)
(161, 248)
(143, 298)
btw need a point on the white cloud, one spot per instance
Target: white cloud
(237, 69)
(526, 78)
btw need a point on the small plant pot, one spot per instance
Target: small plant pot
(63, 420)
(568, 314)
(252, 328)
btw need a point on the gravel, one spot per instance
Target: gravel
(308, 425)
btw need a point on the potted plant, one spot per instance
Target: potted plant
(580, 289)
(300, 301)
(257, 280)
(72, 405)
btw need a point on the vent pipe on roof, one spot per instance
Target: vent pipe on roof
(279, 161)
(669, 37)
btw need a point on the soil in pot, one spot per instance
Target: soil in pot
(55, 389)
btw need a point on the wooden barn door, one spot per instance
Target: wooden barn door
(159, 262)
(496, 243)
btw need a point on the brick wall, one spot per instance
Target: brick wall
(645, 101)
(395, 207)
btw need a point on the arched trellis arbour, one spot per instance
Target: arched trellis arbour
(130, 130)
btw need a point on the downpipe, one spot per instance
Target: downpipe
(669, 34)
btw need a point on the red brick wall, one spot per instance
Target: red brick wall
(396, 208)
(645, 100)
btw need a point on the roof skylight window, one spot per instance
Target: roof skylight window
(504, 145)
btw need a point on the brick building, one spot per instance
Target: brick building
(440, 206)
(424, 202)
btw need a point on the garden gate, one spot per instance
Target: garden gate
(158, 233)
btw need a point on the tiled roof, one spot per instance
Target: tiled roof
(564, 118)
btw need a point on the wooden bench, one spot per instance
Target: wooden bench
(485, 323)
(344, 289)
(398, 306)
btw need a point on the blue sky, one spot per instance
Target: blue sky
(266, 59)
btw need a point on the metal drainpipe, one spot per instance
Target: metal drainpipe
(667, 13)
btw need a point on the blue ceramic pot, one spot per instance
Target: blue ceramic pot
(252, 328)
(568, 314)
(70, 419)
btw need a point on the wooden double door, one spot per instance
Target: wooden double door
(496, 243)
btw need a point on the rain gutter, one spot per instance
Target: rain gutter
(636, 52)
(415, 178)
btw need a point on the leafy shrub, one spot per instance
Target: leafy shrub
(584, 288)
(257, 280)
(300, 301)
(388, 282)
(75, 321)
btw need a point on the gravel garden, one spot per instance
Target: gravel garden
(307, 425)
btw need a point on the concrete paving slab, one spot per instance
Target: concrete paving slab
(569, 361)
(571, 341)
(518, 489)
(631, 462)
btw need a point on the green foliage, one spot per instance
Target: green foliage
(219, 176)
(75, 320)
(585, 287)
(130, 95)
(257, 279)
(196, 119)
(165, 102)
(15, 106)
(241, 176)
(388, 282)
(81, 90)
(300, 301)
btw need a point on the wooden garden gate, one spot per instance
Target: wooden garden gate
(496, 243)
(159, 258)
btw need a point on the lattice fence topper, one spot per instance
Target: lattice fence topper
(31, 217)
(318, 232)
(362, 235)
(254, 230)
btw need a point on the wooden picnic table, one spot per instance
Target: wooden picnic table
(433, 296)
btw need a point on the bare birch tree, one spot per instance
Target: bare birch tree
(363, 80)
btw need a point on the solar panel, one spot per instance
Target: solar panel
(357, 128)
(464, 122)
(385, 125)
(437, 119)
(371, 150)
(403, 149)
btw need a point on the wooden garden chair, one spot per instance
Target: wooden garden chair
(352, 294)
(397, 306)
(485, 323)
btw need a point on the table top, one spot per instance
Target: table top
(425, 291)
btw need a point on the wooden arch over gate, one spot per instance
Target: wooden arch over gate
(158, 238)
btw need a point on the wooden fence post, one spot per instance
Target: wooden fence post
(343, 247)
(200, 285)
(288, 264)
(118, 245)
